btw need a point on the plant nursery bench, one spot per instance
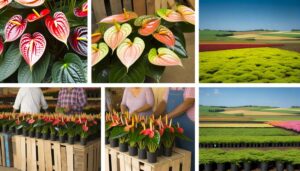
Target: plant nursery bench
(31, 154)
(120, 161)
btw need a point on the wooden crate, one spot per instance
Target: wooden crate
(5, 150)
(119, 161)
(31, 154)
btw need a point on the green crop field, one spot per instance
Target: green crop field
(283, 35)
(211, 35)
(245, 132)
(260, 65)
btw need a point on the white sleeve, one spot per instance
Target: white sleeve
(43, 101)
(18, 100)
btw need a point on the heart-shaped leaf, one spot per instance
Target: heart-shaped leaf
(165, 36)
(120, 18)
(98, 53)
(58, 26)
(116, 34)
(4, 3)
(169, 15)
(14, 28)
(32, 47)
(1, 46)
(187, 13)
(36, 16)
(78, 40)
(128, 52)
(163, 57)
(30, 3)
(148, 24)
(81, 11)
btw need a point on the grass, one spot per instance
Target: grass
(252, 65)
(245, 132)
(211, 35)
(283, 35)
(249, 139)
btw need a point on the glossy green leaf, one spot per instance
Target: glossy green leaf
(180, 46)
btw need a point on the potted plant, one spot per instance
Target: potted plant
(45, 132)
(71, 131)
(60, 128)
(84, 134)
(38, 125)
(52, 133)
(167, 134)
(31, 122)
(152, 142)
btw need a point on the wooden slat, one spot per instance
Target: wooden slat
(127, 5)
(99, 9)
(139, 7)
(23, 157)
(135, 165)
(157, 4)
(107, 159)
(57, 157)
(63, 158)
(90, 161)
(171, 4)
(41, 153)
(192, 3)
(70, 158)
(29, 151)
(116, 6)
(114, 161)
(48, 156)
(33, 155)
(150, 7)
(164, 4)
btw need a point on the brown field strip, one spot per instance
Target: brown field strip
(234, 125)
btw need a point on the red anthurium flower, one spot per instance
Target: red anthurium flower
(14, 28)
(85, 128)
(18, 122)
(81, 12)
(78, 40)
(148, 132)
(161, 131)
(148, 24)
(36, 16)
(165, 36)
(120, 18)
(180, 130)
(30, 3)
(1, 46)
(32, 47)
(4, 3)
(58, 26)
(31, 121)
(55, 122)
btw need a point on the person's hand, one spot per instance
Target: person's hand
(134, 113)
(67, 109)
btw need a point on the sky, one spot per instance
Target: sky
(242, 15)
(276, 97)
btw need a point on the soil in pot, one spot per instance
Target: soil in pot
(151, 157)
(114, 142)
(70, 140)
(142, 153)
(45, 136)
(133, 151)
(123, 147)
(168, 151)
(83, 141)
(61, 139)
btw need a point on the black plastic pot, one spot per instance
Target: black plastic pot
(24, 132)
(83, 141)
(233, 167)
(11, 130)
(290, 167)
(45, 136)
(106, 140)
(4, 128)
(142, 153)
(18, 131)
(31, 134)
(71, 140)
(168, 151)
(151, 157)
(247, 166)
(77, 138)
(208, 167)
(133, 151)
(220, 167)
(123, 147)
(114, 142)
(264, 166)
(52, 137)
(279, 166)
(62, 139)
(38, 134)
(160, 151)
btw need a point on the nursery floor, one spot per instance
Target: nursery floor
(7, 169)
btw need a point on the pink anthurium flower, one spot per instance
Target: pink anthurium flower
(170, 15)
(30, 3)
(81, 11)
(120, 18)
(58, 26)
(148, 24)
(36, 16)
(96, 37)
(165, 36)
(4, 3)
(99, 52)
(129, 52)
(187, 13)
(78, 40)
(32, 47)
(163, 57)
(1, 46)
(14, 28)
(115, 35)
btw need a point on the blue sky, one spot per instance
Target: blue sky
(277, 97)
(250, 14)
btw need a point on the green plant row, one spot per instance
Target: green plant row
(208, 156)
(245, 132)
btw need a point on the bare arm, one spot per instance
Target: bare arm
(123, 109)
(161, 108)
(183, 107)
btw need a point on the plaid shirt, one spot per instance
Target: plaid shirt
(75, 99)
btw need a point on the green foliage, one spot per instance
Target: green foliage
(254, 65)
(245, 132)
(249, 139)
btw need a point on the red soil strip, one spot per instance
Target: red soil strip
(226, 46)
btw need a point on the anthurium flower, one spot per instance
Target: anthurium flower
(78, 40)
(120, 18)
(115, 35)
(30, 3)
(58, 26)
(96, 37)
(165, 36)
(99, 52)
(32, 47)
(85, 128)
(187, 13)
(4, 3)
(170, 15)
(129, 52)
(81, 11)
(163, 57)
(1, 46)
(14, 28)
(36, 16)
(31, 121)
(148, 24)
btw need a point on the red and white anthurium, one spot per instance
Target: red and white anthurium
(187, 13)
(32, 47)
(99, 52)
(150, 132)
(163, 57)
(148, 24)
(81, 11)
(129, 52)
(1, 46)
(120, 18)
(30, 3)
(4, 3)
(36, 16)
(165, 36)
(78, 40)
(116, 34)
(179, 129)
(58, 26)
(14, 28)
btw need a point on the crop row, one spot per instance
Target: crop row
(248, 139)
(245, 132)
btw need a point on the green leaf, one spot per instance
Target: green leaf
(38, 72)
(153, 71)
(180, 45)
(186, 27)
(117, 132)
(70, 70)
(11, 61)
